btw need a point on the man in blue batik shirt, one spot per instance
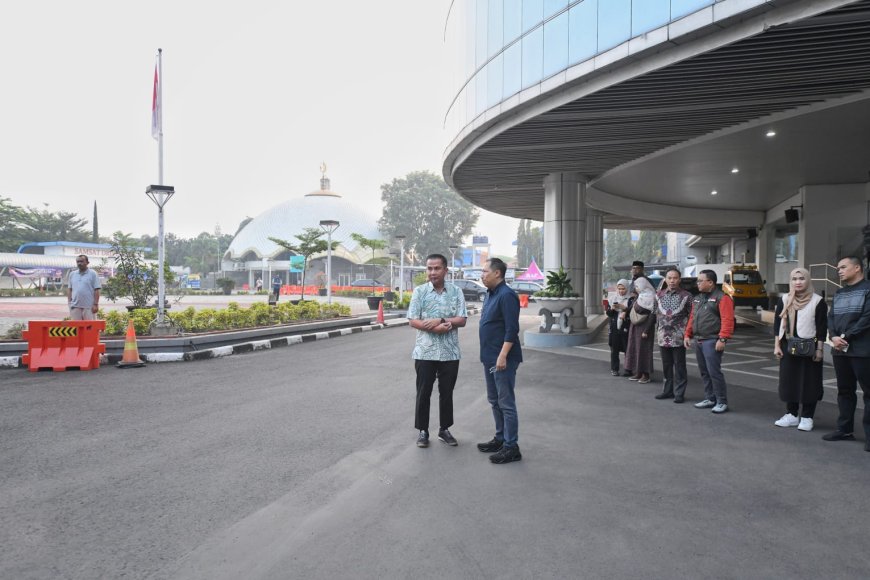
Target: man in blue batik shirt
(437, 311)
(501, 354)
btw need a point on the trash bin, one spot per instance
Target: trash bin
(524, 300)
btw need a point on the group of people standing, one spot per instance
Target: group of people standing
(437, 310)
(642, 318)
(670, 318)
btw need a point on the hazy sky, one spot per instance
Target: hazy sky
(256, 96)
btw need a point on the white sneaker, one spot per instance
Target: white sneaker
(789, 420)
(806, 424)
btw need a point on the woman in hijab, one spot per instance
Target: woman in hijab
(618, 314)
(641, 335)
(803, 314)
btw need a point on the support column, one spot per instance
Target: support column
(765, 254)
(594, 261)
(565, 231)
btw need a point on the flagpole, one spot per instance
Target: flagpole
(160, 116)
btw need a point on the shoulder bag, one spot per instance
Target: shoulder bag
(636, 317)
(803, 347)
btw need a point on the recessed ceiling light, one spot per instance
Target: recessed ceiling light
(771, 133)
(714, 192)
(735, 170)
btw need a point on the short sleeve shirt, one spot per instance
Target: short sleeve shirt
(427, 303)
(83, 286)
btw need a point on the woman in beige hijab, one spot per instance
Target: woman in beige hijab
(803, 314)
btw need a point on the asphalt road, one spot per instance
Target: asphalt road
(300, 463)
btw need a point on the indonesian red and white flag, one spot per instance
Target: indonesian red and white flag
(156, 107)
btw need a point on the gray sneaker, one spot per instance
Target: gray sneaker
(423, 439)
(720, 408)
(705, 404)
(445, 436)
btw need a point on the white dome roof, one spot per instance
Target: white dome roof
(287, 219)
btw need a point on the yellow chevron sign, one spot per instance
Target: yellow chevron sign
(63, 331)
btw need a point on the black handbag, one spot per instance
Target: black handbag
(800, 346)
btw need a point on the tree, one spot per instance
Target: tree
(423, 208)
(134, 278)
(529, 243)
(649, 246)
(309, 244)
(619, 251)
(95, 234)
(370, 244)
(11, 224)
(42, 225)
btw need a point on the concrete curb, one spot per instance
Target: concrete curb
(10, 362)
(229, 350)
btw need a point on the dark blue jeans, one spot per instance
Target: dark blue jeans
(710, 365)
(500, 394)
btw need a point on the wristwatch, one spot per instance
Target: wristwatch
(443, 321)
(723, 340)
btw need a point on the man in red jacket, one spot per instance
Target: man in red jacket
(711, 324)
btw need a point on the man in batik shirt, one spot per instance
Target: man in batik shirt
(673, 306)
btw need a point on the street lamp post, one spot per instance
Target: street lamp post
(401, 239)
(329, 226)
(452, 261)
(160, 195)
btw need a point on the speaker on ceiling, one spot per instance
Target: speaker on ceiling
(751, 233)
(791, 216)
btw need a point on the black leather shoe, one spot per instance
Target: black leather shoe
(661, 396)
(679, 399)
(838, 436)
(507, 455)
(491, 446)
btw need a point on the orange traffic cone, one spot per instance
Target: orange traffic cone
(381, 312)
(131, 351)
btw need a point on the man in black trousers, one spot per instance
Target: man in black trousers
(849, 329)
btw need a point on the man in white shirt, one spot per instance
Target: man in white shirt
(84, 291)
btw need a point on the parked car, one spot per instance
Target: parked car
(366, 282)
(471, 289)
(528, 288)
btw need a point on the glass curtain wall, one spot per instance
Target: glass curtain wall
(504, 46)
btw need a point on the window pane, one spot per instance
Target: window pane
(494, 32)
(494, 81)
(648, 15)
(614, 23)
(470, 14)
(680, 8)
(512, 71)
(553, 6)
(556, 45)
(470, 101)
(480, 34)
(513, 19)
(480, 93)
(583, 28)
(533, 57)
(533, 13)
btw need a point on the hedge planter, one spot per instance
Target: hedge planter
(374, 301)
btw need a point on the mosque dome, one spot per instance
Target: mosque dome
(287, 219)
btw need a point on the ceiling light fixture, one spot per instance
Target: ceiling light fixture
(735, 170)
(770, 133)
(714, 192)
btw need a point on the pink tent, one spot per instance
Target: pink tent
(533, 273)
